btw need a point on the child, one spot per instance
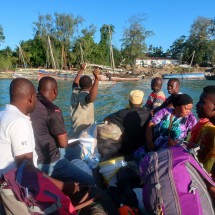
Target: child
(157, 97)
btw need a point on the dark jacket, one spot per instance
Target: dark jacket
(132, 122)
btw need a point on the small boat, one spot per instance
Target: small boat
(194, 75)
(106, 83)
(58, 76)
(68, 77)
(120, 79)
(210, 74)
(24, 75)
(112, 69)
(186, 75)
(210, 77)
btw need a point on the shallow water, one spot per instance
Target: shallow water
(111, 97)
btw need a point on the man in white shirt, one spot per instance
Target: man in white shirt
(16, 133)
(17, 140)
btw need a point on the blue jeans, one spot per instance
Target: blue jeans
(2, 211)
(73, 169)
(71, 152)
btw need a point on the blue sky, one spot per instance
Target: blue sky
(168, 19)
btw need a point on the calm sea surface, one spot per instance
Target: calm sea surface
(111, 97)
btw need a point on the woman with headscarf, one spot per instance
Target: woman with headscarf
(169, 126)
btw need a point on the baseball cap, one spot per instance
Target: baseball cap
(136, 97)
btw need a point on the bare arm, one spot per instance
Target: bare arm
(78, 76)
(94, 90)
(211, 190)
(28, 156)
(62, 140)
(150, 144)
(68, 188)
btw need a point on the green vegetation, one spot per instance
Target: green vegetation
(2, 37)
(70, 45)
(201, 40)
(133, 42)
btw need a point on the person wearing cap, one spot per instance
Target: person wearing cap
(170, 126)
(132, 121)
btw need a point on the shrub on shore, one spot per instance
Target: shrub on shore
(5, 64)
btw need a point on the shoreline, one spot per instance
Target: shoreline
(147, 72)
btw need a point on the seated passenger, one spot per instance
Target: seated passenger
(157, 97)
(17, 144)
(132, 121)
(51, 135)
(173, 87)
(203, 133)
(171, 125)
(16, 134)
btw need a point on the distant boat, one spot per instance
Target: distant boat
(24, 75)
(107, 83)
(210, 77)
(210, 74)
(58, 76)
(194, 75)
(186, 75)
(120, 79)
(68, 77)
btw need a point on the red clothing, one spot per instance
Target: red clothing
(203, 134)
(155, 99)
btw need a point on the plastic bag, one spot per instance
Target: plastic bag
(88, 142)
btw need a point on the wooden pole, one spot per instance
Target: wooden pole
(111, 50)
(52, 56)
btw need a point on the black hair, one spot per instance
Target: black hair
(46, 83)
(209, 89)
(85, 82)
(157, 79)
(20, 87)
(174, 80)
(182, 99)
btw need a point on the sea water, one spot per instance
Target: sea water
(110, 97)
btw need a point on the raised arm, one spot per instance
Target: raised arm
(94, 90)
(78, 76)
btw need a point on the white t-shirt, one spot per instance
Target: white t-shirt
(16, 137)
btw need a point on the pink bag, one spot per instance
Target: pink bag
(39, 194)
